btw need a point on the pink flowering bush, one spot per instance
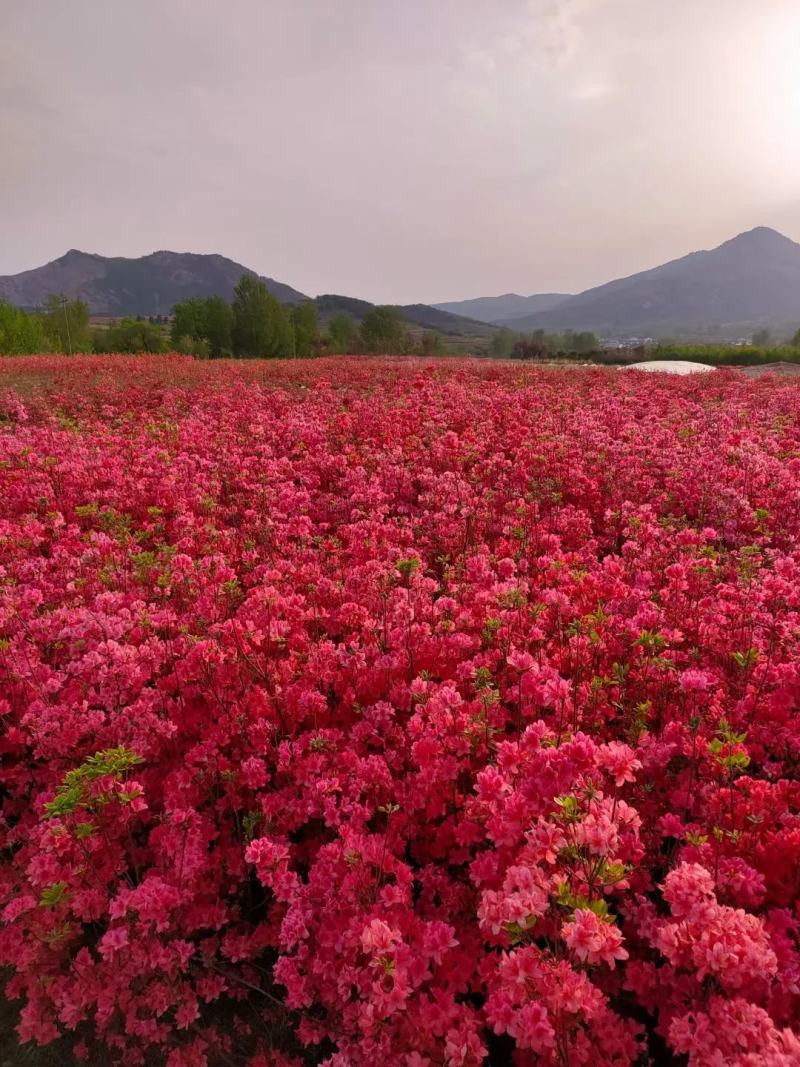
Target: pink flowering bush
(369, 711)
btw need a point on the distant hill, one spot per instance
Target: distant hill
(331, 304)
(751, 280)
(422, 316)
(150, 285)
(497, 309)
(432, 318)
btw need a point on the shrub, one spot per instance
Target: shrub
(400, 712)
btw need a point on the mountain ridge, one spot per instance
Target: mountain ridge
(143, 285)
(750, 279)
(154, 283)
(424, 316)
(496, 309)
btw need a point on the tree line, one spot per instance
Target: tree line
(730, 355)
(64, 326)
(256, 325)
(540, 345)
(253, 325)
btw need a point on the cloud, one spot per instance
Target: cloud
(590, 90)
(423, 150)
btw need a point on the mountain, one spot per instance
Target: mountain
(150, 285)
(497, 309)
(751, 280)
(331, 304)
(433, 318)
(422, 316)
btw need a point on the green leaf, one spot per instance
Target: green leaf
(74, 791)
(53, 895)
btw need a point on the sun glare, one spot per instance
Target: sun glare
(767, 75)
(782, 73)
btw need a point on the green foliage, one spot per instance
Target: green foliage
(306, 328)
(431, 343)
(333, 304)
(74, 792)
(725, 355)
(261, 325)
(407, 567)
(572, 901)
(746, 660)
(130, 335)
(382, 330)
(342, 334)
(193, 346)
(20, 333)
(726, 748)
(795, 341)
(203, 327)
(53, 895)
(63, 326)
(579, 344)
(66, 325)
(250, 824)
(219, 327)
(570, 807)
(189, 321)
(502, 343)
(507, 344)
(531, 348)
(762, 338)
(517, 932)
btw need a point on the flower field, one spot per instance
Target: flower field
(372, 712)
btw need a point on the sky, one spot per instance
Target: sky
(398, 150)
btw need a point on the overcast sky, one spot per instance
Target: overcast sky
(398, 150)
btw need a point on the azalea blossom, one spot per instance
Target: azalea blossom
(370, 711)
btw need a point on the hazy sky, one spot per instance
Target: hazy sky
(398, 150)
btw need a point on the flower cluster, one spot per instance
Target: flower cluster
(360, 711)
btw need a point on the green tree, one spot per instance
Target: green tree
(306, 328)
(530, 348)
(190, 321)
(192, 346)
(130, 335)
(431, 343)
(203, 327)
(219, 327)
(762, 338)
(66, 324)
(342, 334)
(502, 343)
(20, 333)
(795, 342)
(261, 325)
(382, 331)
(582, 344)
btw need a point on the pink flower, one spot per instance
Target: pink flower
(620, 762)
(113, 940)
(377, 938)
(412, 660)
(592, 940)
(532, 1028)
(695, 681)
